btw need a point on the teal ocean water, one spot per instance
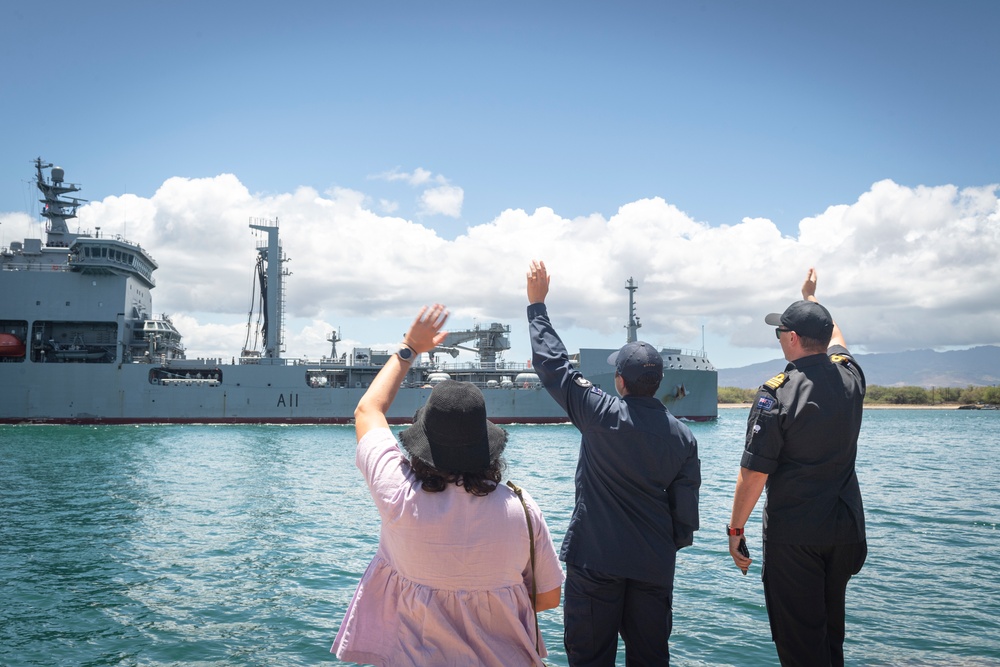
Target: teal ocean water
(211, 545)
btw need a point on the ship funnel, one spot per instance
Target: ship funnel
(58, 174)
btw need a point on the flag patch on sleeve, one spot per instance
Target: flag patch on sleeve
(765, 403)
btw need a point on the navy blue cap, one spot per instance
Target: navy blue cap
(637, 359)
(806, 318)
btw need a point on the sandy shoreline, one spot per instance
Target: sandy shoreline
(871, 406)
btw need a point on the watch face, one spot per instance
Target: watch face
(405, 353)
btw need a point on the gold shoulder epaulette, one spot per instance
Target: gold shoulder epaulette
(776, 381)
(840, 359)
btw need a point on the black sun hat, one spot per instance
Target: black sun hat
(451, 433)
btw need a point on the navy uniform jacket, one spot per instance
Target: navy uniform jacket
(803, 433)
(638, 475)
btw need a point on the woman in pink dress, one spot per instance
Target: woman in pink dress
(451, 581)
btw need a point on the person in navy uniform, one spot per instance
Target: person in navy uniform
(801, 444)
(637, 483)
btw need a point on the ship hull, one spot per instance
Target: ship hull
(79, 393)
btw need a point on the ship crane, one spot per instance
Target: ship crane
(491, 342)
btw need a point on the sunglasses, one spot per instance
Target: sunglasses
(778, 331)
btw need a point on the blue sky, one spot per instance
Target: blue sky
(416, 152)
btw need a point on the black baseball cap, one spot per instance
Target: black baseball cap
(637, 359)
(806, 318)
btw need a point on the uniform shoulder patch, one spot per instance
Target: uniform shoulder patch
(582, 381)
(840, 359)
(765, 403)
(776, 381)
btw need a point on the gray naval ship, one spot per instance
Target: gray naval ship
(79, 344)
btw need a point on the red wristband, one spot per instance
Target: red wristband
(733, 531)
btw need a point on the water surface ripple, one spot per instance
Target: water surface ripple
(214, 545)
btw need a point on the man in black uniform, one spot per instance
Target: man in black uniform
(637, 484)
(802, 443)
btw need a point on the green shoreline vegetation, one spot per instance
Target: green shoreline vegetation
(878, 395)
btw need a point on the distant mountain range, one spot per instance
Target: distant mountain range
(978, 366)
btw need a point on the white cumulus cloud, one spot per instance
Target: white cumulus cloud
(900, 268)
(442, 200)
(437, 197)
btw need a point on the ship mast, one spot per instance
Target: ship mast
(334, 338)
(272, 288)
(57, 211)
(633, 321)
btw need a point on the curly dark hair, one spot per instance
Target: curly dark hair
(480, 483)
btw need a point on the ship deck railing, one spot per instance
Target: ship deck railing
(680, 352)
(499, 366)
(34, 266)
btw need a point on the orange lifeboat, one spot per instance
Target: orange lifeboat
(11, 346)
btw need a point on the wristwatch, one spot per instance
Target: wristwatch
(733, 531)
(405, 353)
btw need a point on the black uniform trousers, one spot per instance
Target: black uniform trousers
(598, 607)
(804, 589)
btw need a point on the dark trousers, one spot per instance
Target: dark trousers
(598, 607)
(804, 588)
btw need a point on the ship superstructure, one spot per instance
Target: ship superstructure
(79, 344)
